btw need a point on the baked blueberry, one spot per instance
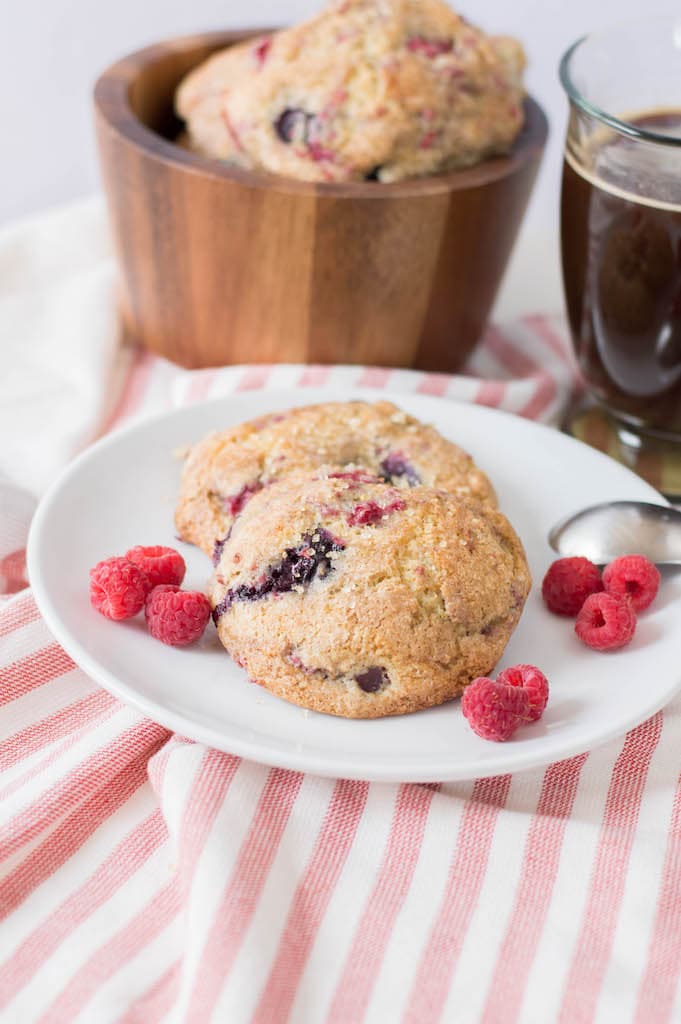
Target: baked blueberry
(373, 679)
(292, 125)
(395, 465)
(297, 569)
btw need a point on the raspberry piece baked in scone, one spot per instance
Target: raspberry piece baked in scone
(362, 599)
(226, 470)
(367, 89)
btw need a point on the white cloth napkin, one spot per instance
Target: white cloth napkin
(60, 351)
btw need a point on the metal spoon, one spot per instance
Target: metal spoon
(603, 532)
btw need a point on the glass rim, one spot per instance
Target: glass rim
(620, 125)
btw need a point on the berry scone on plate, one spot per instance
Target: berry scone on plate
(361, 599)
(225, 470)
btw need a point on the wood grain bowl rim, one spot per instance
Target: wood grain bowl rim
(112, 102)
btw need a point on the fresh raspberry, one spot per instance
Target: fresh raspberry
(633, 576)
(162, 565)
(118, 588)
(495, 709)
(606, 622)
(533, 682)
(568, 583)
(176, 617)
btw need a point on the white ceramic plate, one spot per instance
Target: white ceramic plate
(121, 492)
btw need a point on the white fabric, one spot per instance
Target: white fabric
(59, 339)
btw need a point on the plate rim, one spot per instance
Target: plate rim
(333, 766)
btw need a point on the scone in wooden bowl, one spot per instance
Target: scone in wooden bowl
(220, 265)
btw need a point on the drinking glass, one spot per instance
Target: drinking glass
(621, 224)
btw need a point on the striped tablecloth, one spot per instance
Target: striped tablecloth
(144, 877)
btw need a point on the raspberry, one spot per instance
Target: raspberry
(533, 682)
(261, 50)
(369, 512)
(235, 503)
(495, 709)
(176, 617)
(429, 47)
(633, 576)
(568, 583)
(606, 622)
(118, 588)
(162, 565)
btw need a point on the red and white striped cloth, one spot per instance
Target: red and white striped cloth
(146, 878)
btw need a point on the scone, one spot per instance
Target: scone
(225, 470)
(362, 599)
(384, 89)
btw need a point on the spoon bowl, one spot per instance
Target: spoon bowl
(614, 528)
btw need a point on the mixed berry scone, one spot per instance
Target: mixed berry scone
(361, 599)
(367, 89)
(225, 470)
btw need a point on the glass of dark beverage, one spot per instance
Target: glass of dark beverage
(621, 223)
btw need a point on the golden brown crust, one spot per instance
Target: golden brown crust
(424, 595)
(226, 468)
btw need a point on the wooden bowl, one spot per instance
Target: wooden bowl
(220, 265)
